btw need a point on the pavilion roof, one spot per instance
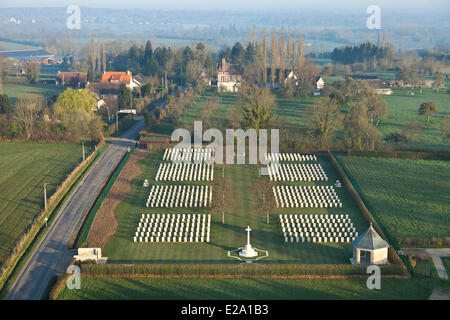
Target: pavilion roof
(370, 240)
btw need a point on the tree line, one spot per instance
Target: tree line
(70, 119)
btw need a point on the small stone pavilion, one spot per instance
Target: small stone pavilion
(370, 248)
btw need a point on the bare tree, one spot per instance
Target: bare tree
(282, 56)
(300, 53)
(92, 53)
(294, 50)
(273, 55)
(223, 198)
(264, 52)
(324, 120)
(288, 48)
(265, 199)
(27, 111)
(413, 131)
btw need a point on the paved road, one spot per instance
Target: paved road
(52, 255)
(435, 255)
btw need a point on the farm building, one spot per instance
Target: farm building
(153, 140)
(73, 79)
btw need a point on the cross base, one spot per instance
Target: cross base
(248, 251)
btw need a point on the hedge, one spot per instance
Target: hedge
(254, 270)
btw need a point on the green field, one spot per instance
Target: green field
(409, 197)
(404, 108)
(24, 168)
(242, 289)
(15, 90)
(446, 262)
(8, 45)
(293, 113)
(229, 236)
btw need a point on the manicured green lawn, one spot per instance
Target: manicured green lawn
(15, 90)
(257, 289)
(409, 197)
(121, 249)
(24, 168)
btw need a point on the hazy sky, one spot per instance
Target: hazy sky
(236, 4)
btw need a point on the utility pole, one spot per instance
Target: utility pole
(45, 196)
(131, 99)
(165, 80)
(84, 157)
(117, 121)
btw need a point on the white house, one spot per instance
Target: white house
(229, 77)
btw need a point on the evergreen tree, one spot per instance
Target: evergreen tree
(103, 57)
(99, 59)
(125, 99)
(5, 105)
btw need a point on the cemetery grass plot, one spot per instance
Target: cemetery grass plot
(121, 247)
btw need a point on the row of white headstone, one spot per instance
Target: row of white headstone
(174, 196)
(188, 154)
(185, 172)
(289, 157)
(173, 228)
(296, 172)
(306, 197)
(334, 229)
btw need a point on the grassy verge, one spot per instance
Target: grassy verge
(86, 226)
(13, 271)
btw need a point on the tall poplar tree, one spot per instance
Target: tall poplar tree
(99, 58)
(264, 53)
(288, 47)
(92, 53)
(300, 53)
(294, 50)
(282, 56)
(273, 55)
(103, 57)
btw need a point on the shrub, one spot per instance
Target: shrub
(412, 261)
